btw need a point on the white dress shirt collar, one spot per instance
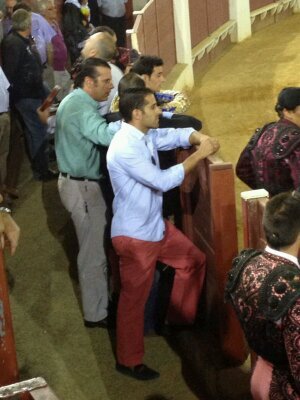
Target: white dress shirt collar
(283, 255)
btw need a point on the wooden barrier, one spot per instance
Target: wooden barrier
(253, 204)
(8, 358)
(209, 220)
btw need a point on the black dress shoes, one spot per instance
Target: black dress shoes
(140, 372)
(103, 323)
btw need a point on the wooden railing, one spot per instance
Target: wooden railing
(8, 358)
(209, 220)
(153, 32)
(253, 204)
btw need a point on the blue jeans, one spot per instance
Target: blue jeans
(35, 134)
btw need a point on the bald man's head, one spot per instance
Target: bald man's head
(99, 45)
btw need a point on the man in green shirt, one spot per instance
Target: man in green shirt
(79, 129)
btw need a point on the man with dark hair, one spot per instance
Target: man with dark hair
(102, 45)
(79, 129)
(150, 68)
(23, 68)
(264, 289)
(274, 162)
(140, 235)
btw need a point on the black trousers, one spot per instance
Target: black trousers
(119, 26)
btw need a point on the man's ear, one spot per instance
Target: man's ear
(88, 81)
(136, 114)
(92, 53)
(145, 78)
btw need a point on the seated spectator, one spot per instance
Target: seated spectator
(271, 159)
(263, 287)
(74, 31)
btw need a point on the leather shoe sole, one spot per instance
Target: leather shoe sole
(140, 372)
(103, 323)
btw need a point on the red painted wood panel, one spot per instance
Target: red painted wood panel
(217, 14)
(198, 21)
(166, 33)
(8, 358)
(150, 30)
(255, 4)
(129, 16)
(208, 203)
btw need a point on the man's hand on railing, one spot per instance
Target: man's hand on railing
(198, 138)
(9, 232)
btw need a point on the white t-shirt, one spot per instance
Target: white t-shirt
(113, 8)
(116, 75)
(4, 95)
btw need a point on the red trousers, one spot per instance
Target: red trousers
(137, 266)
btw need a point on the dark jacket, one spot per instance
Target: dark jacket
(23, 68)
(73, 30)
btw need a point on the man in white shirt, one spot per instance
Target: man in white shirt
(140, 235)
(4, 127)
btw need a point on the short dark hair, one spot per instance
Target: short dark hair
(129, 81)
(104, 28)
(21, 20)
(133, 99)
(22, 6)
(281, 219)
(145, 65)
(88, 68)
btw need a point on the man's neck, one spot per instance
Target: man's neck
(139, 127)
(24, 34)
(293, 250)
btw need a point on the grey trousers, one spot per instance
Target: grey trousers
(84, 201)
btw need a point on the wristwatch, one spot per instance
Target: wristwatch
(5, 210)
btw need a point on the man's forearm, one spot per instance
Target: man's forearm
(196, 138)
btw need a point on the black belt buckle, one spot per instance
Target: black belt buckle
(75, 178)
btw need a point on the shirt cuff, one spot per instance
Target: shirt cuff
(185, 137)
(167, 114)
(178, 174)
